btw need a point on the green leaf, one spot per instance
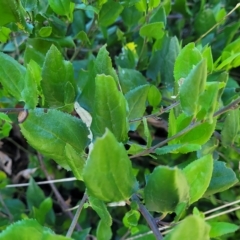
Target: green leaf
(154, 96)
(12, 11)
(198, 174)
(4, 34)
(207, 53)
(58, 85)
(162, 197)
(109, 109)
(31, 83)
(153, 3)
(130, 79)
(147, 133)
(152, 30)
(45, 31)
(21, 230)
(101, 209)
(109, 13)
(136, 99)
(222, 178)
(188, 57)
(221, 228)
(141, 5)
(30, 5)
(103, 64)
(192, 227)
(174, 148)
(12, 75)
(3, 179)
(204, 21)
(131, 218)
(230, 127)
(50, 132)
(45, 206)
(104, 231)
(83, 37)
(5, 125)
(192, 87)
(60, 7)
(108, 174)
(35, 195)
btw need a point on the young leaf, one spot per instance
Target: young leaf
(12, 76)
(162, 197)
(21, 230)
(152, 30)
(221, 228)
(101, 209)
(198, 174)
(50, 132)
(192, 87)
(131, 218)
(230, 128)
(104, 231)
(188, 57)
(222, 178)
(103, 64)
(58, 85)
(31, 84)
(108, 173)
(110, 110)
(154, 96)
(136, 99)
(192, 227)
(109, 13)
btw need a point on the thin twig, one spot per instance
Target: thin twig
(163, 110)
(218, 23)
(77, 214)
(232, 105)
(149, 218)
(60, 200)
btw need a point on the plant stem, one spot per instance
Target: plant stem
(77, 214)
(232, 105)
(60, 199)
(150, 220)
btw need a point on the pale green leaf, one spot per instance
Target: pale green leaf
(221, 228)
(192, 227)
(101, 209)
(104, 231)
(108, 174)
(154, 96)
(198, 174)
(152, 30)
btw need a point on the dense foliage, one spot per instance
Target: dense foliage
(134, 105)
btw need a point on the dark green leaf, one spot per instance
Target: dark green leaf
(53, 133)
(165, 189)
(136, 99)
(230, 128)
(35, 195)
(108, 174)
(110, 110)
(109, 13)
(222, 178)
(12, 75)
